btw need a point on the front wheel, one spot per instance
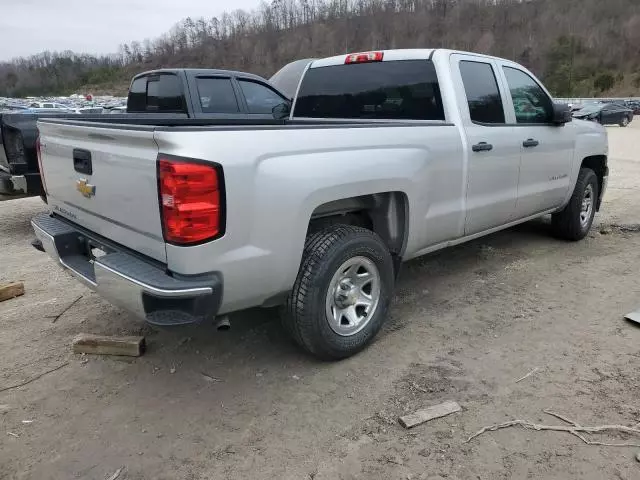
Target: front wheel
(625, 122)
(342, 294)
(574, 221)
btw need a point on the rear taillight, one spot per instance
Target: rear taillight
(364, 57)
(190, 197)
(39, 153)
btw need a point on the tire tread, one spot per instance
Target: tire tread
(297, 317)
(566, 223)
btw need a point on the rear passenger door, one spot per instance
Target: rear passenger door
(547, 149)
(493, 150)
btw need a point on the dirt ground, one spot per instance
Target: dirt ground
(466, 324)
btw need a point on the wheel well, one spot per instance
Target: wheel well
(597, 163)
(384, 213)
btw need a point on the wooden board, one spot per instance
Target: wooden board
(426, 414)
(102, 345)
(11, 290)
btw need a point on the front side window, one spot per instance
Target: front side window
(531, 103)
(483, 95)
(260, 98)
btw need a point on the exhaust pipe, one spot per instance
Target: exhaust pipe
(223, 323)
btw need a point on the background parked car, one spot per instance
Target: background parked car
(606, 114)
(634, 105)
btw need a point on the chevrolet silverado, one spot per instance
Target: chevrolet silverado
(384, 156)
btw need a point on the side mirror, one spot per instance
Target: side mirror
(282, 110)
(561, 113)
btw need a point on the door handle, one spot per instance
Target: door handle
(482, 147)
(530, 143)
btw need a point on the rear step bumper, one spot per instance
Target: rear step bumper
(140, 286)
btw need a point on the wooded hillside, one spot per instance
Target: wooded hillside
(579, 47)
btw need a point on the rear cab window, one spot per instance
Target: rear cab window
(157, 93)
(387, 90)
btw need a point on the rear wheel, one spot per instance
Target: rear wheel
(575, 220)
(342, 294)
(625, 122)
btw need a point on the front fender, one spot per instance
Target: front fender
(591, 141)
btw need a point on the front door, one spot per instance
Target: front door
(493, 149)
(547, 149)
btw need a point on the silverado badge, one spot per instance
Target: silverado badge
(85, 188)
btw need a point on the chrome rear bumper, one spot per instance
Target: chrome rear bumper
(136, 284)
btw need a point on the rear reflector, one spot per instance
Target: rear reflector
(190, 200)
(364, 57)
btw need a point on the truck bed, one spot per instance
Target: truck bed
(267, 168)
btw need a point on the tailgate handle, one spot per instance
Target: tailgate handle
(82, 161)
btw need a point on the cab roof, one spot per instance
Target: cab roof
(397, 54)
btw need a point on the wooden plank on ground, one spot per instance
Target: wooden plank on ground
(426, 414)
(108, 345)
(11, 290)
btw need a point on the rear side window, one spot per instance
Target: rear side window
(216, 95)
(259, 97)
(157, 93)
(483, 95)
(402, 89)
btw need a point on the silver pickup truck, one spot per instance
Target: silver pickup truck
(385, 156)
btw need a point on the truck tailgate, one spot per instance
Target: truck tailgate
(105, 180)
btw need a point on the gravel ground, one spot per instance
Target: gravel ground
(466, 324)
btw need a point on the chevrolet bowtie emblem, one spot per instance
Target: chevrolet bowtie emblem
(85, 188)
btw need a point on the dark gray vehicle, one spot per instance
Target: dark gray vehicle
(175, 95)
(606, 114)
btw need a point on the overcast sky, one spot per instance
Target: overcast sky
(95, 26)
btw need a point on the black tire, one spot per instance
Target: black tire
(304, 315)
(567, 224)
(625, 122)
